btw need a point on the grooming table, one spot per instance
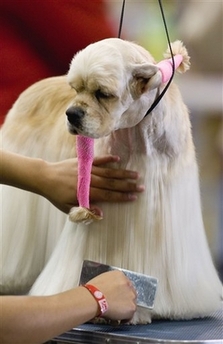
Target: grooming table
(207, 330)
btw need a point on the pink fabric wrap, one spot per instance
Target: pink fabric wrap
(85, 155)
(166, 67)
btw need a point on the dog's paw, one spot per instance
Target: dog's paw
(83, 215)
(142, 316)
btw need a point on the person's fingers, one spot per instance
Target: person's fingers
(114, 190)
(113, 173)
(123, 185)
(105, 159)
(101, 195)
(96, 210)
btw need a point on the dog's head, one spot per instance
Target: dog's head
(112, 80)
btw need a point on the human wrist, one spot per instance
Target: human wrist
(43, 177)
(99, 298)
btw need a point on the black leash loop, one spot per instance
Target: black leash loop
(157, 100)
(121, 19)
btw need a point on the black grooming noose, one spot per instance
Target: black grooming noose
(157, 100)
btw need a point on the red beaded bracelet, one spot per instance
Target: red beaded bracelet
(99, 297)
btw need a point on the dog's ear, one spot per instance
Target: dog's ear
(145, 77)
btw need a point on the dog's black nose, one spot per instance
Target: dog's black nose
(74, 115)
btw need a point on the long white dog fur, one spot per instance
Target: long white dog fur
(161, 234)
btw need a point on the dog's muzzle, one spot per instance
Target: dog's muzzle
(75, 115)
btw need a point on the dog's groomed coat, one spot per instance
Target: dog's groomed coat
(161, 234)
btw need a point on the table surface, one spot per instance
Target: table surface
(207, 330)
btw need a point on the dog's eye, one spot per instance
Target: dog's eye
(102, 95)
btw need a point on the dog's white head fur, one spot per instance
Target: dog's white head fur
(110, 78)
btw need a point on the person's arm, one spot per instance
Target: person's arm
(22, 172)
(58, 181)
(36, 319)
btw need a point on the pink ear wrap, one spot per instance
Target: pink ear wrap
(166, 67)
(85, 155)
(181, 61)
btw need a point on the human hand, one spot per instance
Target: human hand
(113, 185)
(107, 184)
(119, 293)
